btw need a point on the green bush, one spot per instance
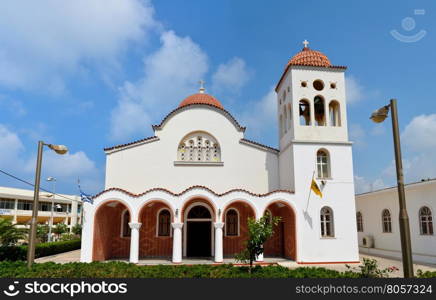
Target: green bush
(426, 274)
(126, 270)
(13, 253)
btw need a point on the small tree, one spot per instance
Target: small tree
(42, 232)
(9, 233)
(77, 229)
(60, 228)
(258, 233)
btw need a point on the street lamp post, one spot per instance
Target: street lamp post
(59, 149)
(406, 246)
(53, 180)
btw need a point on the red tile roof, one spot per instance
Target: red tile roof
(131, 143)
(309, 57)
(201, 98)
(191, 188)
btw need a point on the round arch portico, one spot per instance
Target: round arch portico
(177, 204)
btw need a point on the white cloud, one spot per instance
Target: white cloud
(170, 74)
(354, 90)
(362, 185)
(44, 41)
(12, 148)
(66, 168)
(260, 116)
(231, 76)
(420, 134)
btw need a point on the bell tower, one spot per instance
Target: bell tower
(311, 108)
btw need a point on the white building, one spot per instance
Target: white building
(17, 204)
(378, 225)
(188, 190)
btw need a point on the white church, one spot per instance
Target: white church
(188, 190)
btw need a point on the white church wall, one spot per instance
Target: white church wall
(152, 165)
(338, 194)
(371, 206)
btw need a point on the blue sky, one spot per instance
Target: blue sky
(95, 74)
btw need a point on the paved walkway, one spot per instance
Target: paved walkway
(74, 256)
(383, 263)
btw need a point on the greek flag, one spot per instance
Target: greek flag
(83, 196)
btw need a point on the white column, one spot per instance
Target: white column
(177, 242)
(134, 242)
(259, 257)
(219, 242)
(14, 221)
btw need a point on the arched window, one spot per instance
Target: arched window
(359, 220)
(323, 164)
(199, 212)
(319, 111)
(281, 125)
(125, 228)
(199, 147)
(334, 114)
(386, 220)
(425, 221)
(327, 229)
(304, 108)
(232, 223)
(164, 223)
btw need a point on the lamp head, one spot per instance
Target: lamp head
(380, 114)
(59, 149)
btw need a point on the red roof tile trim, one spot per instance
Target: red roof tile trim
(174, 111)
(201, 98)
(129, 144)
(191, 188)
(260, 145)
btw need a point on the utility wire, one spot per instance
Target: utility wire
(28, 183)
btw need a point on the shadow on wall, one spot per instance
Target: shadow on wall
(272, 168)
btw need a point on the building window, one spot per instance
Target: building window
(359, 220)
(304, 108)
(386, 220)
(164, 223)
(327, 222)
(323, 164)
(334, 114)
(319, 111)
(425, 221)
(7, 204)
(125, 228)
(199, 147)
(24, 205)
(232, 222)
(285, 120)
(44, 206)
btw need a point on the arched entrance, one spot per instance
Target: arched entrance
(283, 242)
(111, 231)
(198, 230)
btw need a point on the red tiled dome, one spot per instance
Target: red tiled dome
(309, 57)
(201, 98)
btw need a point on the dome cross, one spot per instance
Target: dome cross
(305, 43)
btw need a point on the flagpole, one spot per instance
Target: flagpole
(310, 190)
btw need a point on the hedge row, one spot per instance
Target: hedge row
(14, 253)
(126, 270)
